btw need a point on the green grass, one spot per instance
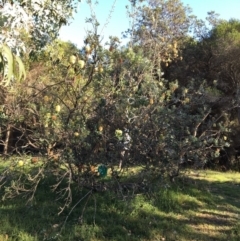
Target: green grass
(203, 206)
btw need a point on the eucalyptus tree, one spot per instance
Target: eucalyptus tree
(38, 20)
(159, 26)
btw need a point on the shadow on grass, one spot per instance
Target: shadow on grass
(190, 209)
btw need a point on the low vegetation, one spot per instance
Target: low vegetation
(103, 134)
(202, 205)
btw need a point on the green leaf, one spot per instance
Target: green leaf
(7, 53)
(21, 69)
(10, 60)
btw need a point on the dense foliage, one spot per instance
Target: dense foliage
(85, 115)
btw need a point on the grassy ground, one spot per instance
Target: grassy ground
(203, 206)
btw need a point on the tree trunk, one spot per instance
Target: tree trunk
(7, 140)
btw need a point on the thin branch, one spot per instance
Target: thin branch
(90, 192)
(197, 126)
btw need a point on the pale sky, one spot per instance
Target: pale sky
(119, 21)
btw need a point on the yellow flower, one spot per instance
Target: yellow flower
(58, 108)
(20, 163)
(118, 132)
(81, 63)
(100, 128)
(72, 59)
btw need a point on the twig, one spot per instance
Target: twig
(66, 192)
(109, 16)
(95, 210)
(197, 126)
(84, 208)
(90, 192)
